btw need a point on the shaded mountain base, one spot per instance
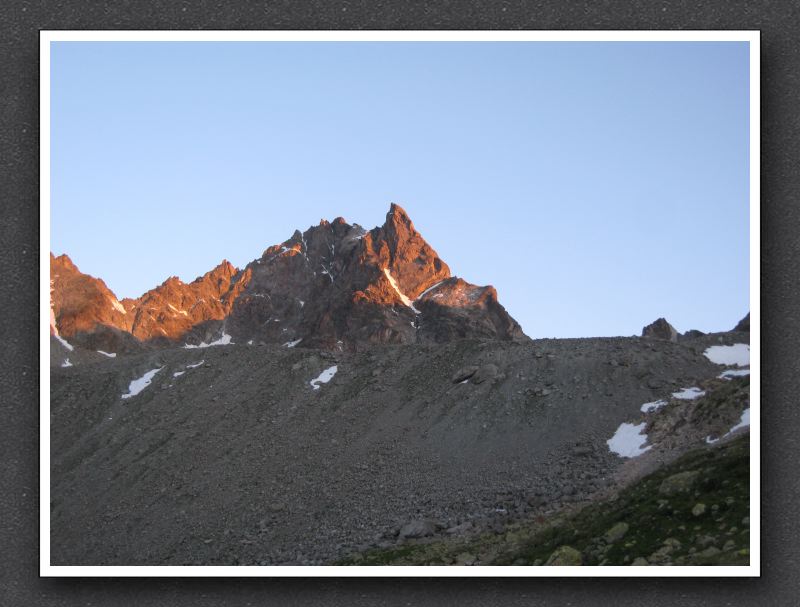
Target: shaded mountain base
(231, 456)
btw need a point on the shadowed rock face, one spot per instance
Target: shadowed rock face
(744, 324)
(660, 329)
(334, 286)
(337, 285)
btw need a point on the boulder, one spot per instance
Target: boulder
(616, 533)
(678, 483)
(464, 373)
(485, 373)
(564, 555)
(465, 558)
(417, 528)
(708, 552)
(660, 329)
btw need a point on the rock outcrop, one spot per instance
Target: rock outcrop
(81, 303)
(660, 329)
(743, 325)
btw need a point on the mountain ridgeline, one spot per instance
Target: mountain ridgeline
(334, 286)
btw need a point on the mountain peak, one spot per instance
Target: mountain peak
(63, 260)
(335, 285)
(397, 215)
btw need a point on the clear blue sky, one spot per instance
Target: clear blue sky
(598, 186)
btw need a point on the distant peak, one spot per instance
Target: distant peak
(62, 259)
(224, 267)
(397, 217)
(396, 209)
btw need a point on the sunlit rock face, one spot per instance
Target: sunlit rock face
(336, 286)
(86, 310)
(80, 303)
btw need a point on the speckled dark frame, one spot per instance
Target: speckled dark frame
(19, 245)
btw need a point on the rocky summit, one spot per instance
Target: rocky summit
(335, 286)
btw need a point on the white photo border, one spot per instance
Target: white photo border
(46, 37)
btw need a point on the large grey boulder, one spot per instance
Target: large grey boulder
(678, 483)
(418, 528)
(660, 329)
(564, 555)
(464, 373)
(485, 373)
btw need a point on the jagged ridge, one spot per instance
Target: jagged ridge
(335, 285)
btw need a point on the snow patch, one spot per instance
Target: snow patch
(66, 363)
(711, 441)
(302, 303)
(137, 385)
(403, 297)
(654, 406)
(743, 423)
(225, 340)
(629, 440)
(194, 366)
(118, 306)
(689, 394)
(737, 354)
(64, 342)
(178, 373)
(428, 290)
(292, 344)
(109, 354)
(184, 312)
(324, 377)
(326, 271)
(734, 373)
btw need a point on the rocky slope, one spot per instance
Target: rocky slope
(244, 454)
(335, 286)
(693, 511)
